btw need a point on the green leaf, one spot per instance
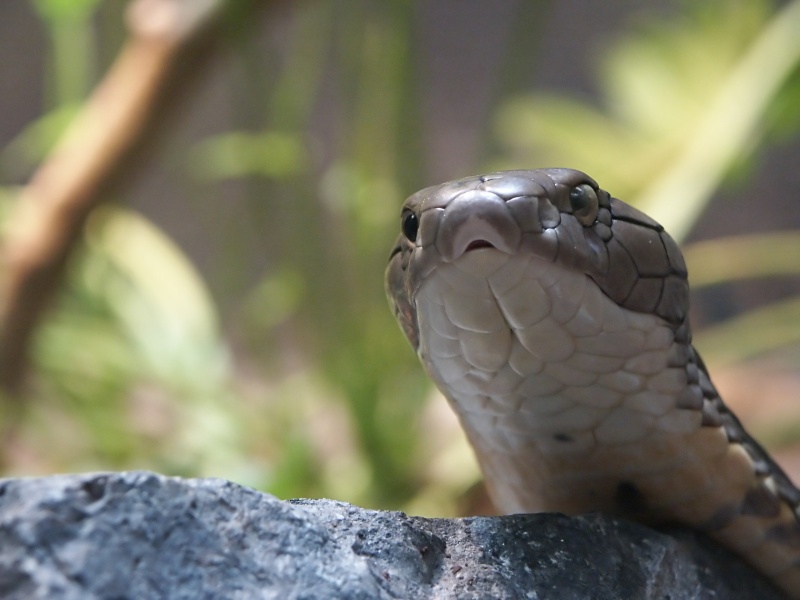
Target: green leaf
(65, 10)
(34, 142)
(269, 154)
(753, 333)
(158, 297)
(742, 257)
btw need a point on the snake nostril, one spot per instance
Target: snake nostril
(478, 244)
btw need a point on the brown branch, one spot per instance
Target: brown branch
(53, 207)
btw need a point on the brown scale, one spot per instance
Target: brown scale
(637, 265)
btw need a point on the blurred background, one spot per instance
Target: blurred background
(218, 309)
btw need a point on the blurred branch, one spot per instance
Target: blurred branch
(52, 208)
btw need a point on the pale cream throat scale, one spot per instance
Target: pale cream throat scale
(554, 319)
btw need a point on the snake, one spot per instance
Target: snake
(554, 319)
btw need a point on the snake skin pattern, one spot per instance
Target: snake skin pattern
(554, 319)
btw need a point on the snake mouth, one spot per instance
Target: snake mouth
(478, 244)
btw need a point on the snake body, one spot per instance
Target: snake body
(554, 319)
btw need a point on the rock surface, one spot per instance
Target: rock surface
(143, 536)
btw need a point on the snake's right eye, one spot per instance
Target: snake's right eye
(410, 225)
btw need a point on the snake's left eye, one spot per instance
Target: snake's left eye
(410, 225)
(584, 204)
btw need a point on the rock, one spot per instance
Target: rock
(143, 536)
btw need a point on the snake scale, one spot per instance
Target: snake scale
(554, 319)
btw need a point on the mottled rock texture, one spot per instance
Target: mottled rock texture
(144, 536)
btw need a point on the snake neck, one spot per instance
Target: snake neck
(553, 381)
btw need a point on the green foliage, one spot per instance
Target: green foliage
(31, 146)
(69, 25)
(136, 339)
(55, 12)
(240, 154)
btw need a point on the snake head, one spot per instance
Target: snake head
(559, 215)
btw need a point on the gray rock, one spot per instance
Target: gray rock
(141, 536)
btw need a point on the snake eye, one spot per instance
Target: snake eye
(410, 225)
(584, 204)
